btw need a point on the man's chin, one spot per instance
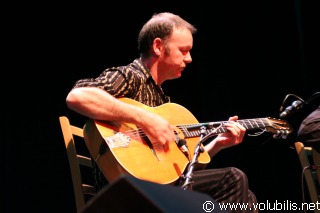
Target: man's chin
(177, 76)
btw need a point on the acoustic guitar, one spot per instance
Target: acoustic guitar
(123, 148)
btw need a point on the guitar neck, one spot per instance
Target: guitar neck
(214, 128)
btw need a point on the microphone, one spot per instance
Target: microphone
(295, 106)
(182, 144)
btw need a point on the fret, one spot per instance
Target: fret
(262, 122)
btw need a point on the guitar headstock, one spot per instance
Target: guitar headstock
(279, 128)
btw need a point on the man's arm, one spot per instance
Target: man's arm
(98, 104)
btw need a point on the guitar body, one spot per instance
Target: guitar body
(127, 150)
(123, 148)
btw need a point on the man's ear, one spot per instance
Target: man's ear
(157, 46)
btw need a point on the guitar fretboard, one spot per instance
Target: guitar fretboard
(213, 128)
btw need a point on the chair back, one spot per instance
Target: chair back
(79, 162)
(310, 162)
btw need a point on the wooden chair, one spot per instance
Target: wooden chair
(79, 162)
(310, 161)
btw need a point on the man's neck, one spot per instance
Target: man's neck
(152, 65)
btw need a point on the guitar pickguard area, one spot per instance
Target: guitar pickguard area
(117, 140)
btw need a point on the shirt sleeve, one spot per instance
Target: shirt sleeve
(116, 81)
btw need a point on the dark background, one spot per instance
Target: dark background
(247, 56)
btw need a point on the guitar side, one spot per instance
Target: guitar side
(128, 151)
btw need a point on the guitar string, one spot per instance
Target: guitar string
(184, 127)
(258, 122)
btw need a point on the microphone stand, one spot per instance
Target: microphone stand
(199, 149)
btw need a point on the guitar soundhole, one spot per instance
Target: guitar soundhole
(179, 134)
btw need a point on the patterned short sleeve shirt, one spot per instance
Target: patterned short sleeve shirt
(133, 81)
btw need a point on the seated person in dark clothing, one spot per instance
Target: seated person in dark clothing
(309, 135)
(309, 130)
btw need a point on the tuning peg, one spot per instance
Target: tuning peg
(276, 136)
(281, 134)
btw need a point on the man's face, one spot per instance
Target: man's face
(176, 53)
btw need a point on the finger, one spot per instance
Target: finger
(166, 147)
(233, 118)
(233, 130)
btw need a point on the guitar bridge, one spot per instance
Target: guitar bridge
(117, 140)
